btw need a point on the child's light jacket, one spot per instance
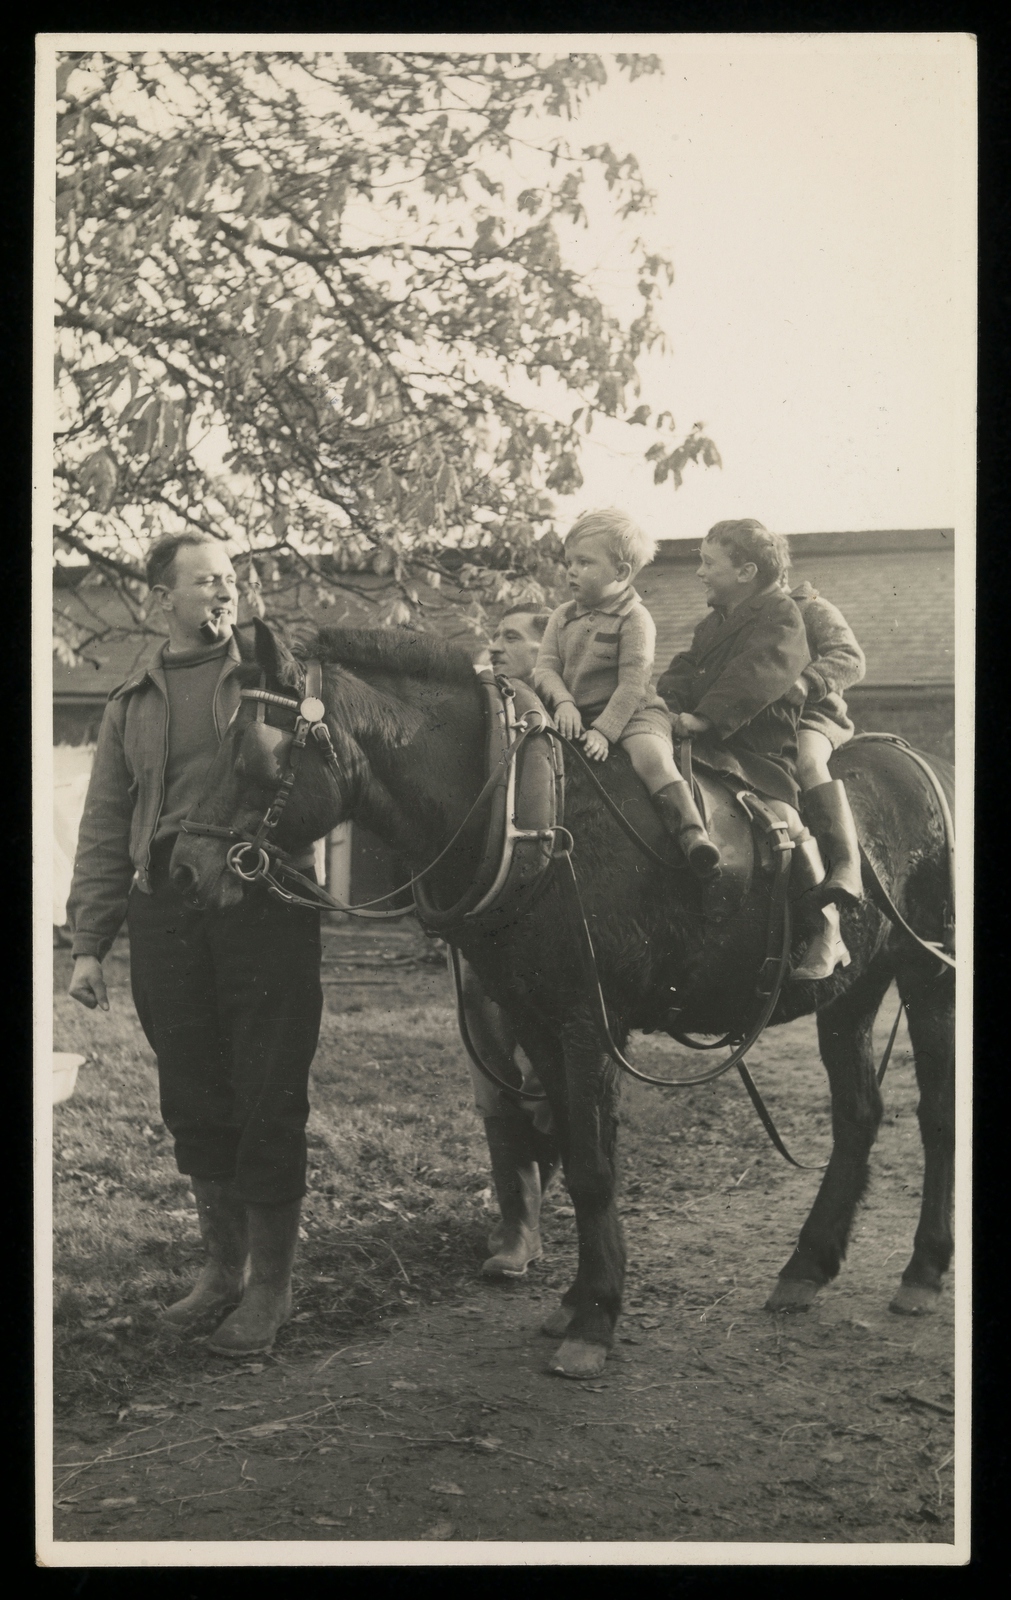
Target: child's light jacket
(601, 659)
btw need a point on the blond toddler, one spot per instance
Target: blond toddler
(594, 670)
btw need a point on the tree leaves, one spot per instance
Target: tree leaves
(294, 300)
(97, 478)
(255, 190)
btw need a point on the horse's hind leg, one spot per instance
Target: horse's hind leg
(845, 1029)
(930, 1012)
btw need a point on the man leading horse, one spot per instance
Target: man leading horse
(230, 1000)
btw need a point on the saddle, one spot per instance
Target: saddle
(747, 830)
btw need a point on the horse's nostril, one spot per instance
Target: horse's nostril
(183, 878)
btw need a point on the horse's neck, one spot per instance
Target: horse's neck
(422, 783)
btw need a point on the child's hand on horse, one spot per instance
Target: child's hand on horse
(687, 726)
(570, 723)
(595, 744)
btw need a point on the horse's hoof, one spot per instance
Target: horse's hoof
(558, 1322)
(792, 1294)
(577, 1359)
(915, 1300)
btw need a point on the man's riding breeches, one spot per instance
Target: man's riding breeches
(230, 1002)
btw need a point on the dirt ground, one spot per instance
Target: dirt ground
(408, 1399)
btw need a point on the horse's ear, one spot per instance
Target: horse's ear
(273, 655)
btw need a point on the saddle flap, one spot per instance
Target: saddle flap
(730, 828)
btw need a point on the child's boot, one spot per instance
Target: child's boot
(680, 816)
(827, 949)
(828, 815)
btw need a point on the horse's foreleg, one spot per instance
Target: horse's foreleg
(845, 1037)
(930, 1012)
(590, 1309)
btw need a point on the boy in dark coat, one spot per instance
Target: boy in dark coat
(729, 691)
(734, 690)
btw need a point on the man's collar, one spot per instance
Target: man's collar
(234, 651)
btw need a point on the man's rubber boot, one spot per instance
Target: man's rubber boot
(223, 1229)
(547, 1155)
(266, 1303)
(516, 1240)
(827, 951)
(680, 816)
(828, 815)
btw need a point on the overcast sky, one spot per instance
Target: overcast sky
(816, 196)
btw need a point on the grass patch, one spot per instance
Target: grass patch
(396, 1215)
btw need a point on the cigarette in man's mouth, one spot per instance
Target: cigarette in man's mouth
(211, 629)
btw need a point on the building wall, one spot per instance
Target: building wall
(925, 720)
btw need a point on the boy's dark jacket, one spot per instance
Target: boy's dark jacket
(737, 674)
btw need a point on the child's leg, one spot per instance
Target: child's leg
(653, 760)
(828, 814)
(813, 752)
(652, 757)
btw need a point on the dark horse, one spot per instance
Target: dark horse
(406, 718)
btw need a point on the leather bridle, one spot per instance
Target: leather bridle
(270, 857)
(309, 722)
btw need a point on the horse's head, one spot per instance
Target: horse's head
(247, 776)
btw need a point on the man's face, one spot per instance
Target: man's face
(723, 581)
(515, 646)
(202, 596)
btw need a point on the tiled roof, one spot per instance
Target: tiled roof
(895, 589)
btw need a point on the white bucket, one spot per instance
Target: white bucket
(65, 1068)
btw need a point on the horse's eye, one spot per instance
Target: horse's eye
(263, 753)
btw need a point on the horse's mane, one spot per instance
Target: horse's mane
(393, 650)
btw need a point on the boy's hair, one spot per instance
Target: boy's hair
(626, 541)
(162, 554)
(747, 540)
(538, 619)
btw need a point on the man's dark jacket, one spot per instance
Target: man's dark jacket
(737, 673)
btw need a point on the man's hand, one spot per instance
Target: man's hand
(87, 984)
(568, 720)
(687, 726)
(596, 745)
